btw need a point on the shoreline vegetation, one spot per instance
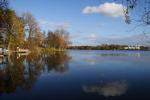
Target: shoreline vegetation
(22, 33)
(110, 47)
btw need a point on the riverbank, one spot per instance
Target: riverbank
(110, 47)
(49, 50)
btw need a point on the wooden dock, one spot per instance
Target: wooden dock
(5, 52)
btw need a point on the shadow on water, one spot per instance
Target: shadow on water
(22, 71)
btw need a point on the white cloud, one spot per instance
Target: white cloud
(85, 37)
(53, 25)
(91, 37)
(109, 9)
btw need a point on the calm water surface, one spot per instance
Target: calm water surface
(76, 75)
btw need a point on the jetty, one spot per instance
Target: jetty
(5, 52)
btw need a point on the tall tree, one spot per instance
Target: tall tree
(3, 8)
(31, 24)
(11, 27)
(15, 29)
(31, 28)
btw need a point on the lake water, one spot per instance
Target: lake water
(76, 75)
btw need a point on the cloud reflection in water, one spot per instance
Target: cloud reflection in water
(108, 89)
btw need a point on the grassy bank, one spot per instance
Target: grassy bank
(50, 50)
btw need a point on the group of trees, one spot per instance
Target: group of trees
(24, 31)
(100, 47)
(105, 47)
(11, 26)
(58, 39)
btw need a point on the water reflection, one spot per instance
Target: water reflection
(58, 62)
(22, 71)
(38, 76)
(108, 89)
(123, 54)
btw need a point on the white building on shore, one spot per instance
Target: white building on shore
(132, 48)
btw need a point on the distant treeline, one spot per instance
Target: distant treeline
(105, 47)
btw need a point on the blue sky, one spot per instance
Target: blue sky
(88, 21)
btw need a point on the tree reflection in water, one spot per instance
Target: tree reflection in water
(23, 71)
